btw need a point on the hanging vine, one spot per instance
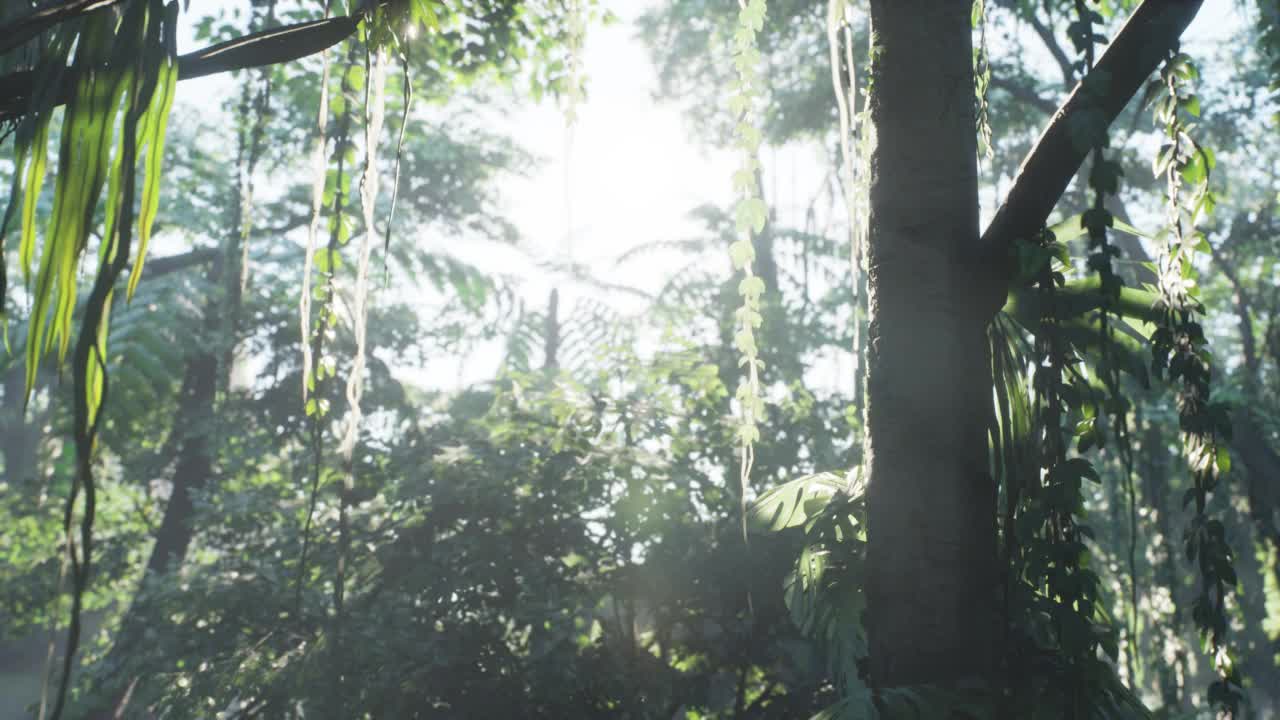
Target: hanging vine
(575, 34)
(250, 151)
(313, 229)
(1179, 350)
(374, 99)
(1054, 598)
(982, 79)
(750, 216)
(333, 186)
(855, 159)
(1046, 539)
(1104, 182)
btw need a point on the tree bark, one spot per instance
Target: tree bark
(1154, 474)
(19, 438)
(932, 584)
(192, 435)
(195, 462)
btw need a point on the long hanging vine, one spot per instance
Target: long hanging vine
(1047, 532)
(855, 158)
(313, 228)
(250, 148)
(1049, 578)
(574, 93)
(378, 30)
(982, 79)
(1179, 349)
(333, 187)
(750, 215)
(1104, 178)
(375, 98)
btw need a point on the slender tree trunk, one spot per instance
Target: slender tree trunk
(192, 470)
(18, 437)
(932, 585)
(194, 466)
(1155, 487)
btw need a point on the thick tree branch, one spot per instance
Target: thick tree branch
(268, 47)
(1144, 41)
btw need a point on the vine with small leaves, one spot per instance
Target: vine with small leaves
(1179, 350)
(249, 150)
(1104, 182)
(1044, 535)
(982, 79)
(573, 95)
(1055, 599)
(575, 34)
(319, 366)
(750, 216)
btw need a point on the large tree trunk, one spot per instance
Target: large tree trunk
(932, 585)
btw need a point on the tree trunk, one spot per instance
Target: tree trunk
(1154, 474)
(932, 573)
(194, 423)
(19, 438)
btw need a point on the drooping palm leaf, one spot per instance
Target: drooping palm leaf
(123, 71)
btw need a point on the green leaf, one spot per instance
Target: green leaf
(742, 253)
(154, 130)
(751, 287)
(794, 503)
(754, 211)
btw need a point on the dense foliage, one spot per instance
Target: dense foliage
(261, 504)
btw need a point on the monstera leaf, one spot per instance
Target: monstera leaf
(796, 502)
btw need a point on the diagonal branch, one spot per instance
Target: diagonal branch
(1145, 40)
(268, 47)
